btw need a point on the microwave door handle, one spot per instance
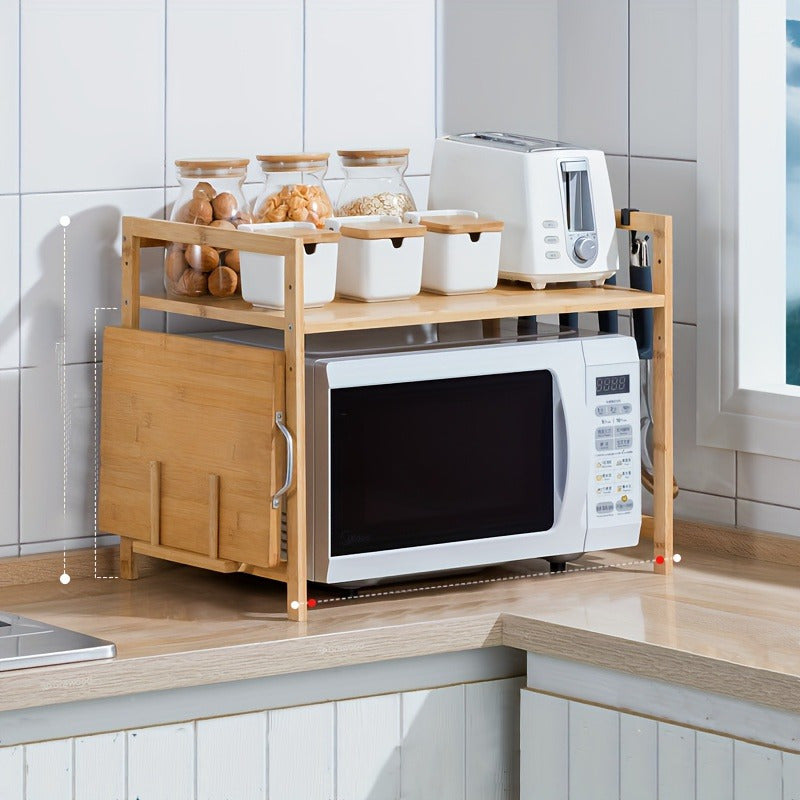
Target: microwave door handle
(276, 498)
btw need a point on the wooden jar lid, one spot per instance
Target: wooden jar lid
(306, 235)
(292, 158)
(381, 230)
(461, 223)
(212, 163)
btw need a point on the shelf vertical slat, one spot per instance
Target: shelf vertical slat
(131, 270)
(662, 395)
(155, 503)
(294, 346)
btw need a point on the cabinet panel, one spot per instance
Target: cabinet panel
(492, 737)
(48, 770)
(161, 763)
(756, 772)
(232, 757)
(638, 758)
(676, 762)
(433, 744)
(301, 752)
(368, 748)
(11, 768)
(593, 752)
(100, 767)
(791, 776)
(544, 747)
(714, 756)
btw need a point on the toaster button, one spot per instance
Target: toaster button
(549, 223)
(551, 239)
(552, 254)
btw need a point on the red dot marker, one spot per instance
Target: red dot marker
(312, 603)
(659, 559)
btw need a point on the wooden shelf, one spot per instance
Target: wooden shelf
(508, 300)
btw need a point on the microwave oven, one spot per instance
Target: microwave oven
(430, 452)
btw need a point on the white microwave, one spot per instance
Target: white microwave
(427, 456)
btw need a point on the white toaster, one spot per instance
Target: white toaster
(555, 200)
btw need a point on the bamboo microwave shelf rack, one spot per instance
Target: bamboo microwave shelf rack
(191, 453)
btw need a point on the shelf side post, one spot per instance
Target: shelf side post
(294, 346)
(131, 271)
(662, 397)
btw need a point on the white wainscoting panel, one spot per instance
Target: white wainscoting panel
(757, 772)
(676, 762)
(12, 765)
(301, 752)
(791, 776)
(232, 757)
(433, 744)
(100, 767)
(638, 758)
(48, 770)
(714, 765)
(544, 747)
(161, 763)
(368, 748)
(593, 752)
(492, 740)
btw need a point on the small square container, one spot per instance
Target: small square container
(380, 258)
(262, 274)
(462, 250)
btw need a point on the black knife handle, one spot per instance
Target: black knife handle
(608, 321)
(642, 278)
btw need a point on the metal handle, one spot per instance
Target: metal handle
(276, 498)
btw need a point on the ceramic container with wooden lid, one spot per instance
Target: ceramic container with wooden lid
(380, 257)
(462, 250)
(210, 194)
(263, 275)
(374, 183)
(293, 189)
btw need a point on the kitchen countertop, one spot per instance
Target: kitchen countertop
(720, 624)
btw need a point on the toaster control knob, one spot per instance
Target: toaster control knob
(585, 248)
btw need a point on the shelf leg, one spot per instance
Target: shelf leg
(491, 329)
(662, 400)
(127, 560)
(294, 346)
(131, 268)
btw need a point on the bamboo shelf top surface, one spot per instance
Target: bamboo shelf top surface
(720, 623)
(507, 300)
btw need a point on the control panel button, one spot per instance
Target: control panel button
(603, 411)
(552, 254)
(623, 430)
(551, 239)
(624, 505)
(602, 433)
(624, 441)
(625, 408)
(549, 223)
(605, 507)
(603, 445)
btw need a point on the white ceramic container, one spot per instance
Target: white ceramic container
(380, 258)
(262, 275)
(462, 251)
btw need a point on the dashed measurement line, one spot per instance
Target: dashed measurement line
(95, 431)
(482, 581)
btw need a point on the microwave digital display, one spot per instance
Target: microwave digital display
(612, 384)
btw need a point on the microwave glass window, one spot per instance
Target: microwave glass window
(425, 463)
(612, 384)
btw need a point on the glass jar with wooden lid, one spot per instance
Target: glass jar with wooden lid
(293, 189)
(210, 194)
(374, 183)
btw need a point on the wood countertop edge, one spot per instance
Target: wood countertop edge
(657, 662)
(89, 680)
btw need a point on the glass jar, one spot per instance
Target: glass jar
(293, 190)
(211, 194)
(374, 183)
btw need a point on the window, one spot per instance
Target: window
(793, 192)
(748, 255)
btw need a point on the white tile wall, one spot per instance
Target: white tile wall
(517, 92)
(9, 98)
(9, 457)
(766, 517)
(42, 450)
(92, 114)
(663, 78)
(9, 281)
(234, 79)
(592, 74)
(93, 252)
(771, 480)
(371, 77)
(669, 187)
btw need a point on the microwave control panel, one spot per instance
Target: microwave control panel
(615, 473)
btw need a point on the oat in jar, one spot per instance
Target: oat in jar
(374, 183)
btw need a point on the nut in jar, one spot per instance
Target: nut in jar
(211, 195)
(293, 189)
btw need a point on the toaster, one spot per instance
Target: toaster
(555, 200)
